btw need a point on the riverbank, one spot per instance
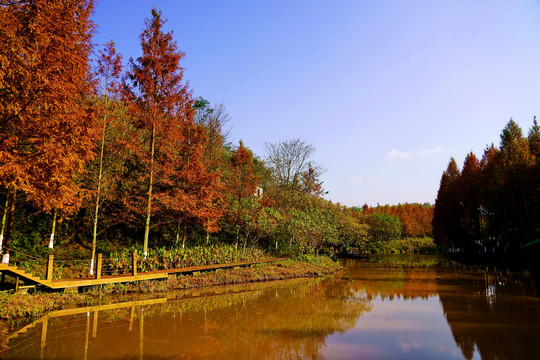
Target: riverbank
(20, 306)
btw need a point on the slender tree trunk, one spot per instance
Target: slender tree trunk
(177, 234)
(9, 228)
(4, 215)
(237, 236)
(51, 240)
(184, 237)
(100, 176)
(150, 185)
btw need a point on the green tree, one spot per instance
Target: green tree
(352, 233)
(383, 227)
(314, 228)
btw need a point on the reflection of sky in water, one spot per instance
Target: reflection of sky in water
(398, 329)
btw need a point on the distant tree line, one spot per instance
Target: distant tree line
(492, 204)
(413, 220)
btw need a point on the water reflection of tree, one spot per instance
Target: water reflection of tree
(494, 313)
(377, 279)
(287, 322)
(284, 320)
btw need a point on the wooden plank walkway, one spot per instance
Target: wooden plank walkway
(115, 279)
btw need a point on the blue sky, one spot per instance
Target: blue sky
(387, 91)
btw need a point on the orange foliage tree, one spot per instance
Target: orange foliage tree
(168, 144)
(46, 121)
(242, 184)
(195, 194)
(109, 70)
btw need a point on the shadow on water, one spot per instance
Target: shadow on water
(386, 307)
(492, 312)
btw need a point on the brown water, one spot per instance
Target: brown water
(416, 310)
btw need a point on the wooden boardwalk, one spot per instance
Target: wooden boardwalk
(50, 284)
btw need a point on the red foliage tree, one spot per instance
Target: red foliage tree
(242, 185)
(109, 70)
(46, 121)
(168, 144)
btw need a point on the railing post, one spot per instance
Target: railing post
(98, 270)
(134, 264)
(44, 326)
(49, 275)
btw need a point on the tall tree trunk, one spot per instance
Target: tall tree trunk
(184, 237)
(177, 234)
(51, 240)
(9, 229)
(100, 176)
(4, 215)
(151, 183)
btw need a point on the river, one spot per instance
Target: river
(404, 307)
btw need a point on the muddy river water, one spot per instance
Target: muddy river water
(406, 307)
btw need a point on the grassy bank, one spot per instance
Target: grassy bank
(18, 305)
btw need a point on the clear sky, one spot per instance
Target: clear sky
(387, 91)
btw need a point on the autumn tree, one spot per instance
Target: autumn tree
(516, 189)
(534, 140)
(446, 224)
(46, 121)
(161, 103)
(109, 69)
(534, 173)
(169, 143)
(492, 205)
(242, 183)
(470, 183)
(194, 193)
(488, 194)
